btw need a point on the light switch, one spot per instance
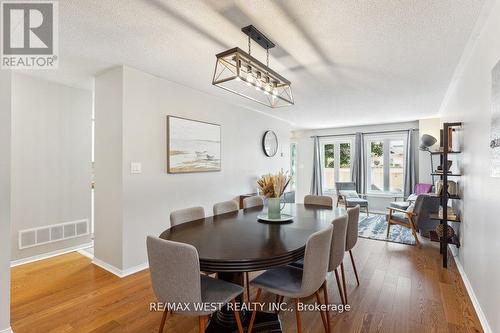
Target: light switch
(135, 167)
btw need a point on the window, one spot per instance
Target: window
(337, 157)
(385, 163)
(293, 165)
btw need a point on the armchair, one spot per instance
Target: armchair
(417, 219)
(419, 189)
(348, 196)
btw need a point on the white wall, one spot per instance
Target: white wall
(5, 169)
(148, 198)
(305, 157)
(470, 101)
(108, 192)
(51, 158)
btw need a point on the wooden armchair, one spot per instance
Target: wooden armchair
(403, 218)
(348, 196)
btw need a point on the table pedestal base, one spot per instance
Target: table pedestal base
(264, 322)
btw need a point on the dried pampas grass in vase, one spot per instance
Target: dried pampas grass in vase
(273, 187)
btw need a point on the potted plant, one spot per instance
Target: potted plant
(273, 187)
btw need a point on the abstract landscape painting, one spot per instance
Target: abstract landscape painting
(495, 121)
(192, 146)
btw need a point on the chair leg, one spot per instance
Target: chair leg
(237, 317)
(254, 313)
(297, 316)
(388, 228)
(367, 212)
(202, 322)
(163, 320)
(247, 286)
(323, 319)
(325, 296)
(339, 287)
(343, 282)
(354, 267)
(280, 301)
(414, 232)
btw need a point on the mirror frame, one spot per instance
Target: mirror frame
(266, 133)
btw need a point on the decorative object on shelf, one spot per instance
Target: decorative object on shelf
(270, 143)
(192, 146)
(440, 232)
(495, 121)
(450, 132)
(273, 187)
(426, 142)
(240, 73)
(452, 188)
(440, 167)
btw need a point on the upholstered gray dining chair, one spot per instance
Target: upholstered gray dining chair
(186, 215)
(293, 282)
(351, 240)
(254, 201)
(337, 251)
(175, 277)
(319, 200)
(225, 207)
(348, 196)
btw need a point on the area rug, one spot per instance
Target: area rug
(375, 227)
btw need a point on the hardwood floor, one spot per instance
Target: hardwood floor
(403, 289)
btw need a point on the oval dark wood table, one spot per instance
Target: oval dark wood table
(233, 243)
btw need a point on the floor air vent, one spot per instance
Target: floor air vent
(52, 233)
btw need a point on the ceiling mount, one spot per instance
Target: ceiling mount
(258, 37)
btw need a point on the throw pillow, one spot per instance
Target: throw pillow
(349, 194)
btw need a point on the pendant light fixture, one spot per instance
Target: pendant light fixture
(240, 73)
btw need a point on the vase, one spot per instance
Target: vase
(273, 208)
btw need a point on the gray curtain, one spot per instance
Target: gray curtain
(317, 177)
(410, 169)
(358, 164)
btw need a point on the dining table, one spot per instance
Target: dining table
(237, 242)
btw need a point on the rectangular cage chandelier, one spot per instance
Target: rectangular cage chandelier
(240, 73)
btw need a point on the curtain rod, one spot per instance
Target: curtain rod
(364, 133)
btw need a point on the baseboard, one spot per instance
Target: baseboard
(472, 295)
(47, 255)
(119, 272)
(7, 330)
(86, 254)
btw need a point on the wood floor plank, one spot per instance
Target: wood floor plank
(403, 289)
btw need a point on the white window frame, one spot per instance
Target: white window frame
(386, 139)
(336, 142)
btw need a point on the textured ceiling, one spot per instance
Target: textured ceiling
(350, 62)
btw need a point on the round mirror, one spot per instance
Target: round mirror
(270, 143)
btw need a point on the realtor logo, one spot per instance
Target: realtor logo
(29, 35)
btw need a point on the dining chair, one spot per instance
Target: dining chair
(254, 201)
(296, 283)
(351, 240)
(175, 277)
(225, 207)
(318, 200)
(337, 251)
(186, 215)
